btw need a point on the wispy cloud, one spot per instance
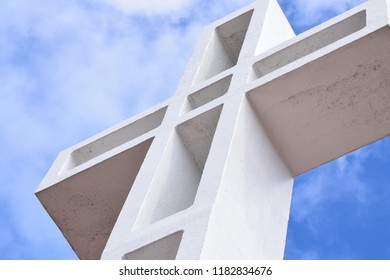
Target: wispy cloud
(336, 199)
(340, 179)
(151, 7)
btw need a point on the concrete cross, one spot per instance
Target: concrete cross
(208, 174)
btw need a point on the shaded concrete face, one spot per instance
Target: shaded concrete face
(224, 47)
(86, 206)
(177, 179)
(330, 106)
(162, 249)
(310, 44)
(116, 138)
(208, 174)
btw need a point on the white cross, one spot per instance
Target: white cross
(208, 174)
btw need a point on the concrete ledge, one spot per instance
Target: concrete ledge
(342, 107)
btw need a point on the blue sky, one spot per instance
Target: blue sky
(70, 69)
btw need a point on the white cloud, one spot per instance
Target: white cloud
(344, 179)
(175, 8)
(149, 7)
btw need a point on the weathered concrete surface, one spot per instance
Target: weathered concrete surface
(85, 206)
(331, 106)
(208, 174)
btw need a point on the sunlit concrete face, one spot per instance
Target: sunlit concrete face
(208, 174)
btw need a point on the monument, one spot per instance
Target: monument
(208, 174)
